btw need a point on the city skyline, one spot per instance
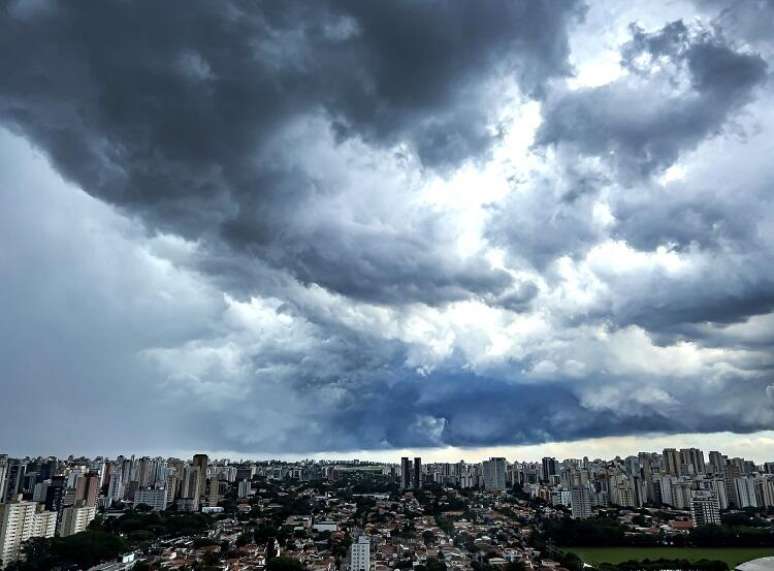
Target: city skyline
(395, 457)
(343, 228)
(316, 511)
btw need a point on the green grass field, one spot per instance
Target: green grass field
(733, 556)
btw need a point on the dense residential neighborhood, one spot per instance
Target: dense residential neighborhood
(156, 513)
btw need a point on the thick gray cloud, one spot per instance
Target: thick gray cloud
(683, 86)
(345, 225)
(181, 123)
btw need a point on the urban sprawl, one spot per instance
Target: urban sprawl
(167, 513)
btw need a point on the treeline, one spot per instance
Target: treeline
(665, 564)
(732, 536)
(607, 532)
(81, 551)
(139, 527)
(596, 532)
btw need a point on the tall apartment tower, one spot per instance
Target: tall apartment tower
(405, 473)
(705, 509)
(194, 484)
(87, 489)
(494, 474)
(19, 521)
(580, 502)
(360, 554)
(671, 461)
(213, 493)
(418, 473)
(55, 496)
(76, 519)
(14, 482)
(717, 463)
(549, 468)
(3, 475)
(692, 461)
(200, 462)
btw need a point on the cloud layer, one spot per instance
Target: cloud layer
(347, 225)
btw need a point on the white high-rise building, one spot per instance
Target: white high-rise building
(155, 498)
(718, 488)
(580, 502)
(494, 474)
(44, 524)
(76, 519)
(360, 555)
(764, 491)
(665, 486)
(745, 491)
(19, 521)
(116, 487)
(245, 488)
(705, 509)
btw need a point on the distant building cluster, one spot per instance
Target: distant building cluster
(682, 479)
(46, 497)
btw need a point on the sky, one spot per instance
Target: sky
(345, 228)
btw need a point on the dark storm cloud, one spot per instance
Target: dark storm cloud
(638, 126)
(258, 150)
(752, 21)
(549, 218)
(171, 112)
(412, 411)
(684, 85)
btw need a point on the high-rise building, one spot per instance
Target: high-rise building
(717, 463)
(154, 498)
(705, 509)
(405, 473)
(671, 461)
(194, 479)
(549, 468)
(145, 470)
(244, 488)
(115, 492)
(87, 489)
(418, 473)
(76, 519)
(55, 496)
(3, 475)
(580, 502)
(494, 471)
(245, 472)
(665, 489)
(745, 492)
(692, 461)
(19, 521)
(47, 469)
(15, 480)
(172, 487)
(360, 555)
(730, 476)
(213, 492)
(200, 463)
(764, 491)
(718, 487)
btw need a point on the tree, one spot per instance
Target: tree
(433, 564)
(244, 538)
(284, 564)
(82, 550)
